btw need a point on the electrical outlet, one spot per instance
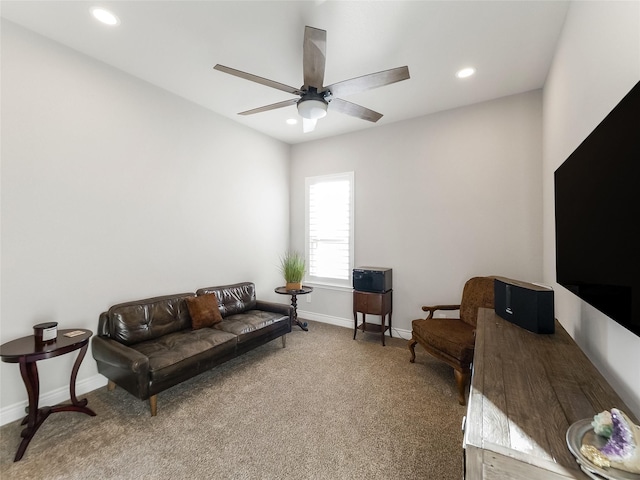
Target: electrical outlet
(441, 315)
(308, 297)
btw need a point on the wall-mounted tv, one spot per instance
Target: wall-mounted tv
(597, 206)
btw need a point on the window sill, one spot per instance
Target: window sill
(329, 286)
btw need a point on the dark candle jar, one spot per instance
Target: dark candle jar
(45, 333)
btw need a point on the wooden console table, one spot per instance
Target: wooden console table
(373, 304)
(526, 390)
(26, 352)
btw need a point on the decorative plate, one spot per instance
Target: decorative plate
(581, 433)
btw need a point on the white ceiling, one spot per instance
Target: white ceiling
(175, 44)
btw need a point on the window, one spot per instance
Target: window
(329, 228)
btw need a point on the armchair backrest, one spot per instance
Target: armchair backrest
(477, 293)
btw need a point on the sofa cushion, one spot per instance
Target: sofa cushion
(250, 324)
(174, 351)
(449, 335)
(204, 311)
(232, 299)
(143, 320)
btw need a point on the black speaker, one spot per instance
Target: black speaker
(527, 305)
(372, 279)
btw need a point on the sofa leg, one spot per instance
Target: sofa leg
(461, 381)
(412, 349)
(111, 386)
(284, 341)
(153, 404)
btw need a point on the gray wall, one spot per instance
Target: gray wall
(439, 199)
(597, 62)
(115, 190)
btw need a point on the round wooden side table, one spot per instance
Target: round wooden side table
(294, 302)
(26, 351)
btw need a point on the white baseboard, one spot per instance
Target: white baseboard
(16, 411)
(346, 323)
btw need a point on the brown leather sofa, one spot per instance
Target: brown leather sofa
(150, 345)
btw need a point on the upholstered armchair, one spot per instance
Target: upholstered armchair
(452, 339)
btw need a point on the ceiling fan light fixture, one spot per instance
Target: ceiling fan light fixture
(314, 98)
(312, 109)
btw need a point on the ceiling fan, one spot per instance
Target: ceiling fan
(316, 98)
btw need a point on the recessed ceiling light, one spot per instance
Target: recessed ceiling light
(465, 72)
(292, 121)
(105, 16)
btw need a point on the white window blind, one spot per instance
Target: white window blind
(330, 228)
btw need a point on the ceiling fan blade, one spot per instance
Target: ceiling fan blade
(313, 60)
(354, 110)
(273, 106)
(367, 82)
(257, 79)
(309, 125)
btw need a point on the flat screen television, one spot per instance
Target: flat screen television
(597, 207)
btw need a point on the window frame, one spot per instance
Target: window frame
(329, 281)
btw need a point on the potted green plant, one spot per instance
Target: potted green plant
(293, 266)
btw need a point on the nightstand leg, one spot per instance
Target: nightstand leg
(355, 324)
(35, 416)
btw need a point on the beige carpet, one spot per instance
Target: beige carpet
(324, 407)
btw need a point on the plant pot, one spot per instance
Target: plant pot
(294, 286)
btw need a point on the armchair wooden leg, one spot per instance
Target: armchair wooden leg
(412, 349)
(461, 381)
(111, 386)
(153, 404)
(284, 341)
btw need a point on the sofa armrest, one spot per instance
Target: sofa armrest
(123, 365)
(276, 308)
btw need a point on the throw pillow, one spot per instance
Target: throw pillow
(204, 310)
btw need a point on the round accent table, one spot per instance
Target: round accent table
(294, 302)
(26, 352)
